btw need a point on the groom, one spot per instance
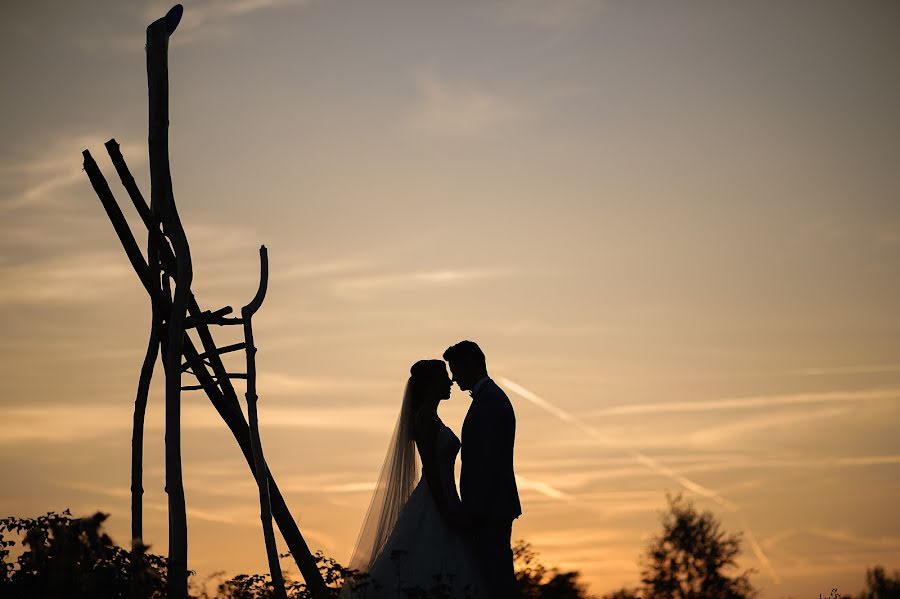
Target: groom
(487, 484)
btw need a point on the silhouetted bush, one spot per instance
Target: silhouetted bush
(72, 558)
(538, 582)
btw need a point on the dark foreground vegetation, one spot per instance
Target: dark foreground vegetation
(58, 556)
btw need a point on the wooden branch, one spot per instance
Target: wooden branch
(219, 351)
(101, 187)
(137, 435)
(250, 309)
(231, 375)
(163, 200)
(208, 318)
(265, 506)
(220, 312)
(155, 236)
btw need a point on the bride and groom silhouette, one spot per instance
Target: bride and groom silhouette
(420, 532)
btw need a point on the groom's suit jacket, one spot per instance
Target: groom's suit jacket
(487, 483)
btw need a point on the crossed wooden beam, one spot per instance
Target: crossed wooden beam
(168, 260)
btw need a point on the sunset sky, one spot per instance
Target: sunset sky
(673, 227)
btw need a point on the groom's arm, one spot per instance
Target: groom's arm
(483, 460)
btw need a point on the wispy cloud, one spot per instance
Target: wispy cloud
(321, 269)
(240, 515)
(543, 488)
(64, 422)
(367, 285)
(284, 384)
(845, 536)
(848, 370)
(753, 401)
(645, 460)
(715, 435)
(866, 460)
(66, 279)
(578, 475)
(203, 21)
(459, 110)
(550, 13)
(41, 173)
(592, 537)
(849, 537)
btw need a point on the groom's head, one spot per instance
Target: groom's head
(467, 364)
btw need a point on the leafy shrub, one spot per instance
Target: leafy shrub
(73, 558)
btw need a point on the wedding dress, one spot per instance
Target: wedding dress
(422, 550)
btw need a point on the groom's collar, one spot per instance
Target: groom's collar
(479, 384)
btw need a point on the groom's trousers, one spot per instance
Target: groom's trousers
(491, 542)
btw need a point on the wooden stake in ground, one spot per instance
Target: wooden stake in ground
(162, 199)
(265, 506)
(157, 331)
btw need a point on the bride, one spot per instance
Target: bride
(410, 536)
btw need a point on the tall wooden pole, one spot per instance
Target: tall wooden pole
(137, 434)
(262, 480)
(163, 200)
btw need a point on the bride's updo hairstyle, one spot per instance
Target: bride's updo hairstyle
(422, 375)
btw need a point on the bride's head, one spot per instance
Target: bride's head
(428, 383)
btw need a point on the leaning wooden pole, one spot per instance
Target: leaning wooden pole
(154, 239)
(137, 434)
(163, 199)
(265, 506)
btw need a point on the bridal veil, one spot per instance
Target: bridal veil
(396, 482)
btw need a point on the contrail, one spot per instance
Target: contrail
(728, 403)
(651, 463)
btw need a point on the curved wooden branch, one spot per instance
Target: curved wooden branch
(254, 305)
(265, 505)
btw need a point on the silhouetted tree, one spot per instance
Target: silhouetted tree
(687, 561)
(538, 582)
(880, 585)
